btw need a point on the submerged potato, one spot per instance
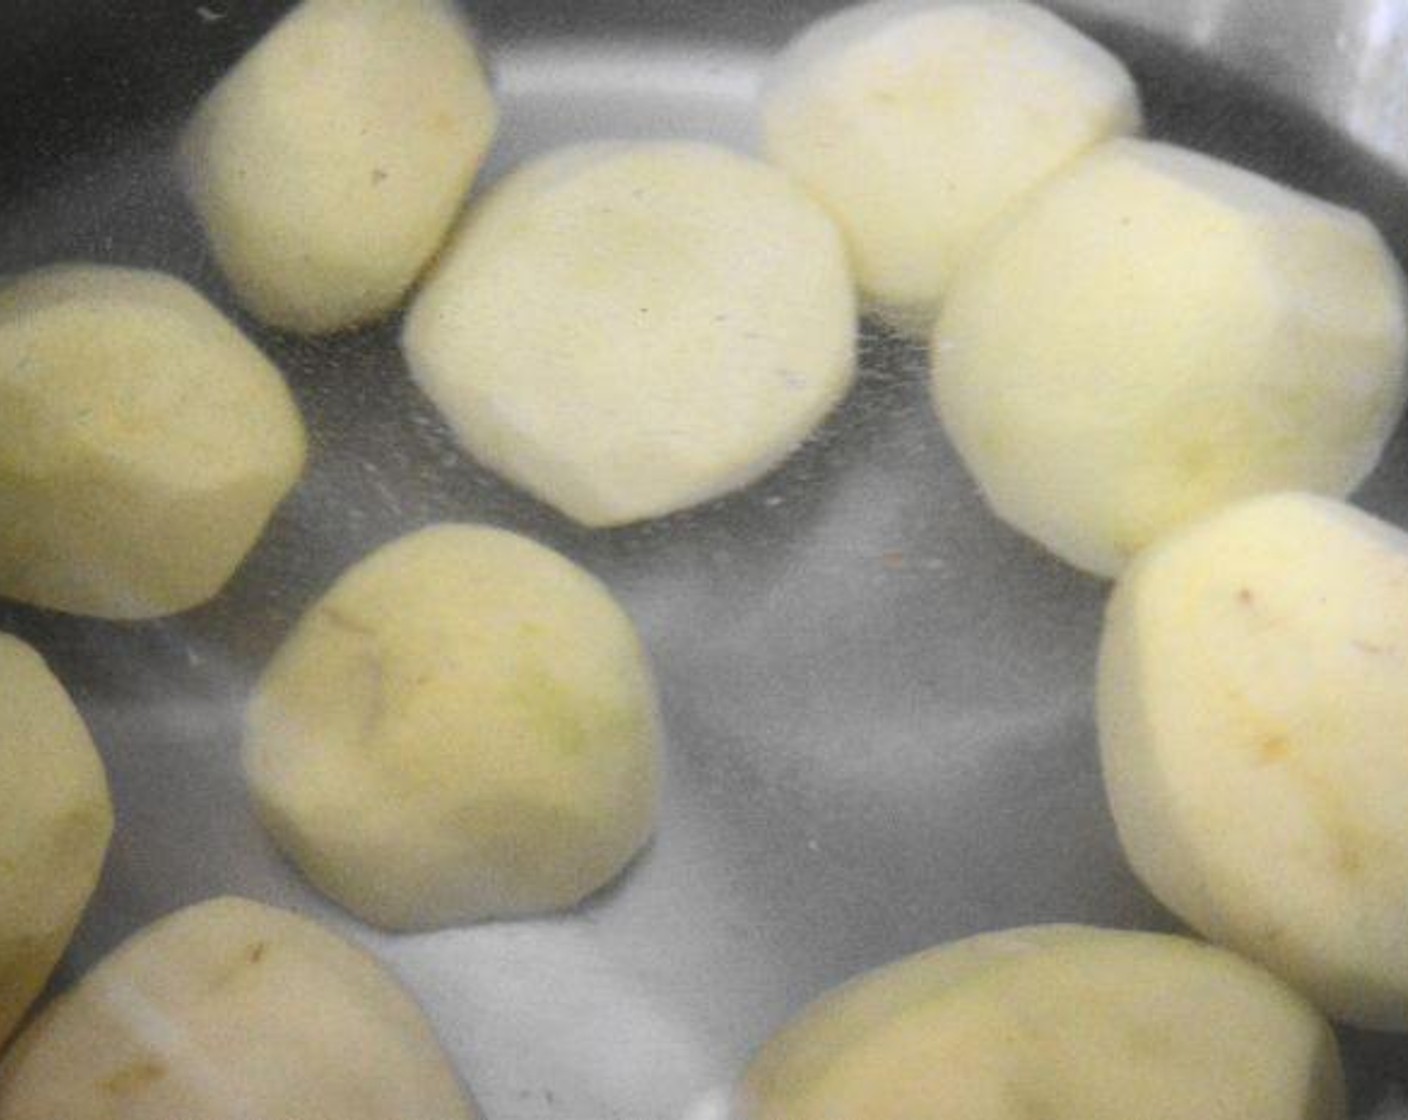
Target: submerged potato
(230, 1010)
(1060, 1022)
(1253, 699)
(144, 443)
(921, 123)
(55, 822)
(628, 330)
(464, 727)
(329, 165)
(1159, 333)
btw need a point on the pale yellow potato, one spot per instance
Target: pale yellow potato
(329, 165)
(464, 727)
(920, 124)
(627, 330)
(1060, 1022)
(231, 1010)
(1159, 333)
(55, 823)
(144, 443)
(1252, 706)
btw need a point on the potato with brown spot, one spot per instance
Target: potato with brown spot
(463, 727)
(330, 164)
(231, 1009)
(133, 1078)
(1253, 696)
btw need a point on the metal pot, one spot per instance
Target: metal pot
(878, 699)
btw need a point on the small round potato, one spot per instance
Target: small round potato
(1159, 333)
(464, 727)
(1252, 706)
(230, 1010)
(628, 330)
(144, 443)
(921, 123)
(329, 165)
(1060, 1022)
(55, 823)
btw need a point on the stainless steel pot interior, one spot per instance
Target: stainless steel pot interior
(878, 699)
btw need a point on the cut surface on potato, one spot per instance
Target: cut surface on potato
(329, 165)
(627, 330)
(231, 1010)
(144, 443)
(1253, 700)
(920, 123)
(1061, 1022)
(1158, 334)
(55, 823)
(464, 727)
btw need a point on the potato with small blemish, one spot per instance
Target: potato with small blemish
(1057, 1022)
(145, 443)
(463, 727)
(627, 330)
(55, 822)
(329, 165)
(1252, 704)
(231, 1009)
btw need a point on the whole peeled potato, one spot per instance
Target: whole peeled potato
(1057, 1022)
(329, 165)
(55, 823)
(1159, 333)
(920, 124)
(144, 443)
(230, 1010)
(1252, 705)
(626, 330)
(463, 727)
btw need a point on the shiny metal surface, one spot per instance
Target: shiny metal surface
(1344, 60)
(878, 699)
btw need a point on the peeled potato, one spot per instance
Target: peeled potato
(464, 727)
(55, 823)
(1060, 1022)
(144, 443)
(1158, 334)
(627, 330)
(230, 1010)
(329, 165)
(1253, 700)
(921, 123)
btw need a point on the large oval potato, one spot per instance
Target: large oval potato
(922, 123)
(1252, 705)
(55, 823)
(1060, 1022)
(1159, 333)
(329, 165)
(627, 330)
(230, 1010)
(464, 727)
(144, 443)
